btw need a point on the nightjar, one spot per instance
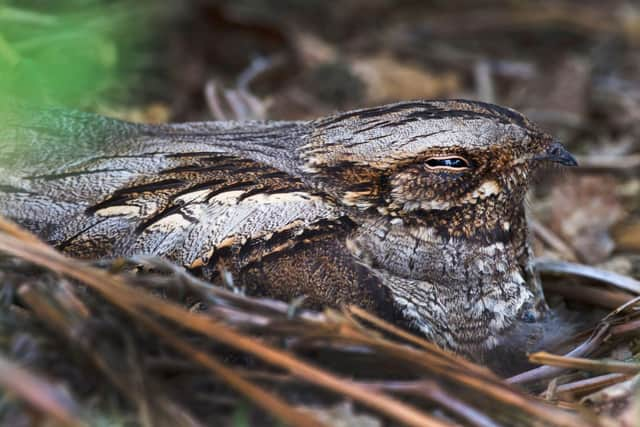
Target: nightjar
(413, 210)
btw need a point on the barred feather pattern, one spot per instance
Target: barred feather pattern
(347, 209)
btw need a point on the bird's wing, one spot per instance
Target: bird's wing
(131, 191)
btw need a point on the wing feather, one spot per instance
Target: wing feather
(101, 187)
(191, 210)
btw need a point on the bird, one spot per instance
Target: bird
(414, 211)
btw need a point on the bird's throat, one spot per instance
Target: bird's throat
(482, 287)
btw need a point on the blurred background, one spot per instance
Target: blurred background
(573, 67)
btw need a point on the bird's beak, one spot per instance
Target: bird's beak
(556, 152)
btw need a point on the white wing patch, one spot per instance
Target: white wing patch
(202, 225)
(129, 211)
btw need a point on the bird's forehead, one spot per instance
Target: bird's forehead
(403, 131)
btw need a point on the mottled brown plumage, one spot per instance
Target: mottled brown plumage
(411, 210)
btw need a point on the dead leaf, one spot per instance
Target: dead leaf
(583, 209)
(627, 236)
(619, 400)
(313, 51)
(388, 79)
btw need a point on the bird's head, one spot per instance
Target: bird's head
(461, 166)
(438, 190)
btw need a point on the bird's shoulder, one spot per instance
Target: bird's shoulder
(191, 207)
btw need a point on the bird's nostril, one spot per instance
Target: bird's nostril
(557, 153)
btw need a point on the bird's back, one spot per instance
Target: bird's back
(99, 187)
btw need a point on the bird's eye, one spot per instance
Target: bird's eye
(453, 163)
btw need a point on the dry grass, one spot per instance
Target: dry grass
(161, 347)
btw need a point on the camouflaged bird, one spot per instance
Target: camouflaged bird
(412, 210)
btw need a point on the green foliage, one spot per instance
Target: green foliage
(70, 52)
(241, 415)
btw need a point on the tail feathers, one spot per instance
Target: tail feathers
(37, 140)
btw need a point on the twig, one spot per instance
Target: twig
(50, 315)
(431, 391)
(594, 295)
(116, 290)
(137, 301)
(259, 396)
(544, 372)
(206, 290)
(237, 104)
(622, 308)
(590, 385)
(40, 394)
(625, 328)
(242, 103)
(630, 161)
(611, 278)
(258, 66)
(551, 239)
(213, 100)
(427, 345)
(479, 380)
(612, 366)
(484, 81)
